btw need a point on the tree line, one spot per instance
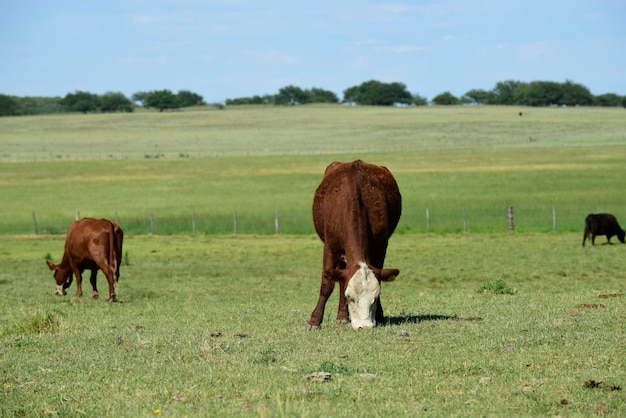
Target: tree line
(372, 92)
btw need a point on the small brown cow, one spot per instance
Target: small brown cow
(356, 208)
(90, 244)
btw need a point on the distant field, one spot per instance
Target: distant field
(302, 130)
(464, 165)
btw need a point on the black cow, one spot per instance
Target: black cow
(602, 224)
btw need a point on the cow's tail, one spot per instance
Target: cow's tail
(587, 232)
(113, 252)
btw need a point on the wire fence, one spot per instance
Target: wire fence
(430, 221)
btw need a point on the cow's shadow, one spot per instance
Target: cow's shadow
(415, 319)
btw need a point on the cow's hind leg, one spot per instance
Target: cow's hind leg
(92, 279)
(112, 280)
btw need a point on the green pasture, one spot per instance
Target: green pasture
(481, 322)
(158, 171)
(214, 326)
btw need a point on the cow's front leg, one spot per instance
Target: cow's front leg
(380, 316)
(326, 289)
(342, 311)
(92, 279)
(79, 280)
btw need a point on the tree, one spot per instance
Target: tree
(607, 99)
(419, 100)
(254, 100)
(115, 102)
(445, 98)
(376, 93)
(9, 106)
(504, 93)
(291, 95)
(139, 97)
(573, 94)
(81, 101)
(188, 99)
(161, 99)
(540, 93)
(317, 95)
(478, 96)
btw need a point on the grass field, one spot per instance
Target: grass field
(214, 326)
(481, 322)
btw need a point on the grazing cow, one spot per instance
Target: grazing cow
(602, 224)
(90, 244)
(355, 210)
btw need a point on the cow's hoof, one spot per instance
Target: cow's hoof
(342, 321)
(312, 327)
(113, 299)
(96, 296)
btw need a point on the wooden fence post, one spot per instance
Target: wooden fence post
(78, 215)
(553, 219)
(509, 211)
(427, 220)
(193, 223)
(235, 223)
(276, 225)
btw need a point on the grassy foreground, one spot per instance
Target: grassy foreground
(479, 325)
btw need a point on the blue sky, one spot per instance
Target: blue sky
(224, 49)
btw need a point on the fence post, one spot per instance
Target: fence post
(193, 223)
(235, 223)
(78, 215)
(509, 211)
(35, 224)
(553, 219)
(427, 220)
(276, 226)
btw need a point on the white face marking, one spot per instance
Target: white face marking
(362, 292)
(60, 290)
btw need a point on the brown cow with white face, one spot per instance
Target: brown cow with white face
(90, 244)
(355, 210)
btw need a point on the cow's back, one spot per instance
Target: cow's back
(89, 241)
(356, 193)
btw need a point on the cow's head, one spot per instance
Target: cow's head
(363, 291)
(62, 276)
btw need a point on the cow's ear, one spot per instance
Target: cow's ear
(51, 265)
(388, 275)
